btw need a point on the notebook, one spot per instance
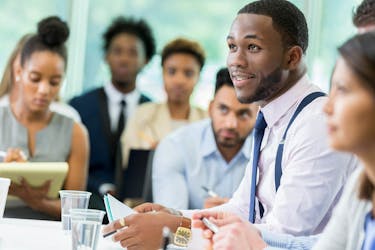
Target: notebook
(37, 173)
(115, 208)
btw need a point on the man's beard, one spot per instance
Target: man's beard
(267, 87)
(228, 143)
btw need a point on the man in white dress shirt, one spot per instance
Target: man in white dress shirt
(267, 43)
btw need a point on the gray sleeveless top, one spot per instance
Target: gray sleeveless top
(52, 143)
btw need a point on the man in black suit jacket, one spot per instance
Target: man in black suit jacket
(128, 45)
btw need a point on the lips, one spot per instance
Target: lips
(240, 78)
(228, 134)
(41, 102)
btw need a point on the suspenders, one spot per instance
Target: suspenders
(279, 156)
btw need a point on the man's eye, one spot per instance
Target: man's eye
(231, 46)
(254, 48)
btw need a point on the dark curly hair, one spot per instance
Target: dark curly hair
(182, 45)
(139, 28)
(51, 36)
(223, 79)
(287, 19)
(364, 14)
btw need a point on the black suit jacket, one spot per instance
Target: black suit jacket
(93, 109)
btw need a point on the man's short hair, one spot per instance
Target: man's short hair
(223, 79)
(364, 14)
(138, 28)
(287, 19)
(186, 46)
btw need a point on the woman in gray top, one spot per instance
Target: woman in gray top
(28, 127)
(351, 125)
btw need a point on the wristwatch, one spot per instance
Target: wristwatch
(182, 235)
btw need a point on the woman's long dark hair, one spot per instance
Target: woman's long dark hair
(359, 53)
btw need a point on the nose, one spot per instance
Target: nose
(237, 59)
(179, 79)
(44, 88)
(328, 106)
(231, 121)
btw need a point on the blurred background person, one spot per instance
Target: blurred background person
(212, 153)
(182, 61)
(28, 125)
(128, 46)
(8, 91)
(364, 16)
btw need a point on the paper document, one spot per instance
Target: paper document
(115, 208)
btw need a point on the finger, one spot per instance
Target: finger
(130, 242)
(123, 236)
(147, 207)
(46, 185)
(207, 234)
(230, 219)
(204, 213)
(198, 224)
(115, 225)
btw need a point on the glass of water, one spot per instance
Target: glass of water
(72, 199)
(86, 225)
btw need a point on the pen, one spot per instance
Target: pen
(210, 225)
(109, 234)
(166, 237)
(210, 192)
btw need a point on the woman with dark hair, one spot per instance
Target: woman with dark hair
(30, 130)
(8, 91)
(351, 126)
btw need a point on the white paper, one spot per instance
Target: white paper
(117, 209)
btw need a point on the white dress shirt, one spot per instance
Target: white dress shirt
(114, 99)
(313, 174)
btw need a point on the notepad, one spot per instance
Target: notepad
(115, 208)
(36, 174)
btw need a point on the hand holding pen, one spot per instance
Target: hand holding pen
(214, 199)
(13, 155)
(210, 192)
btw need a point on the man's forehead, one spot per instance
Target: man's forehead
(251, 25)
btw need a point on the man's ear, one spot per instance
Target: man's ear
(210, 108)
(293, 57)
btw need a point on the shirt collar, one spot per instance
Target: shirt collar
(115, 96)
(277, 108)
(208, 145)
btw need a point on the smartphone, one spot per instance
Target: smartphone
(210, 225)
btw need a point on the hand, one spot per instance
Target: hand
(153, 207)
(214, 201)
(32, 196)
(15, 155)
(234, 233)
(142, 230)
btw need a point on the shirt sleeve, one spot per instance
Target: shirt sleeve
(168, 179)
(312, 180)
